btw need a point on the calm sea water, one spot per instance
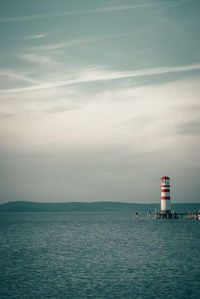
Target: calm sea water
(98, 255)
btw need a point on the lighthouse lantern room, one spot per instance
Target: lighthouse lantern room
(165, 195)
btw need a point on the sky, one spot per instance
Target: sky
(99, 100)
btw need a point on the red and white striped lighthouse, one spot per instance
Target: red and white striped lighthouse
(165, 195)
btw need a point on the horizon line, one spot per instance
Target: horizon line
(89, 202)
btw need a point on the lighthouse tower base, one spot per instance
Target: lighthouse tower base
(165, 212)
(166, 215)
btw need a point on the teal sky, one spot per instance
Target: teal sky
(99, 99)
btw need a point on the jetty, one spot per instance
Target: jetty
(177, 215)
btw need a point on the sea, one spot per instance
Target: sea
(98, 255)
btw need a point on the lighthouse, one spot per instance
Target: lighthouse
(165, 195)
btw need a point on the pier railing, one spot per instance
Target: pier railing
(171, 215)
(177, 215)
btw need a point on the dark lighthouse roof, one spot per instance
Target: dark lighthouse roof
(165, 178)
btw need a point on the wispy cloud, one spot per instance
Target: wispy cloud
(13, 75)
(29, 37)
(82, 40)
(35, 58)
(76, 12)
(172, 5)
(149, 49)
(97, 74)
(37, 36)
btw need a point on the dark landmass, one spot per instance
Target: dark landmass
(27, 206)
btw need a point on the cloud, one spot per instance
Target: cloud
(149, 49)
(171, 6)
(96, 74)
(37, 36)
(78, 41)
(35, 58)
(77, 12)
(190, 128)
(4, 115)
(139, 119)
(13, 75)
(106, 146)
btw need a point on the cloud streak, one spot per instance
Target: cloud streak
(37, 36)
(13, 75)
(77, 12)
(170, 6)
(96, 75)
(78, 41)
(35, 58)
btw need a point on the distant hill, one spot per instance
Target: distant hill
(27, 206)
